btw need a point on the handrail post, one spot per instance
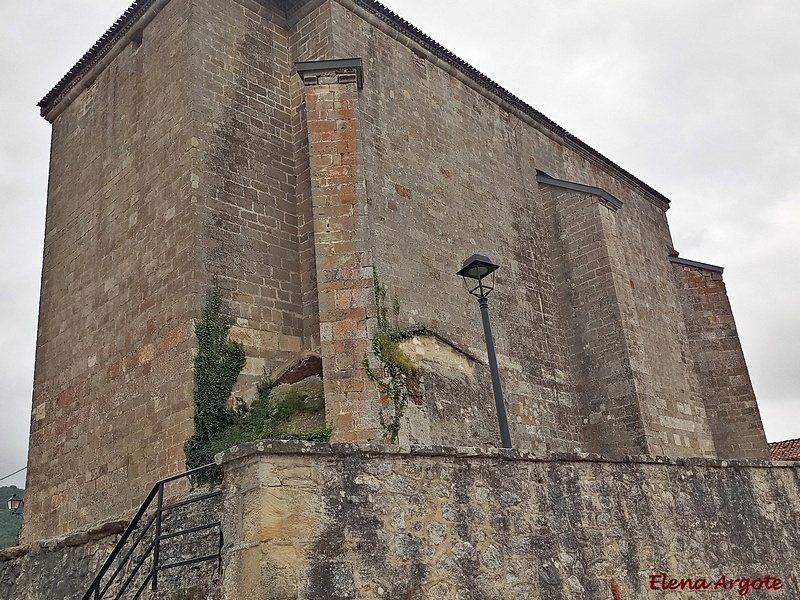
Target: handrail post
(157, 541)
(219, 560)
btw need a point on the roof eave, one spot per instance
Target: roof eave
(141, 11)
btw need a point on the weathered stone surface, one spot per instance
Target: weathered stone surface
(56, 568)
(719, 363)
(112, 389)
(185, 159)
(457, 523)
(64, 568)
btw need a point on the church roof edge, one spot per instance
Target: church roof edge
(99, 49)
(130, 17)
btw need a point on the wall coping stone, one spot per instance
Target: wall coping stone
(697, 265)
(294, 447)
(76, 538)
(606, 198)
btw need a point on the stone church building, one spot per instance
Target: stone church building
(294, 150)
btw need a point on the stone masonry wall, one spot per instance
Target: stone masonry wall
(246, 177)
(344, 274)
(315, 522)
(63, 568)
(112, 385)
(719, 361)
(445, 179)
(628, 408)
(309, 39)
(579, 243)
(175, 168)
(673, 414)
(56, 568)
(197, 154)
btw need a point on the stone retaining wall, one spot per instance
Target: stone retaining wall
(343, 521)
(56, 568)
(64, 567)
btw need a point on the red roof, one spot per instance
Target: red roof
(785, 450)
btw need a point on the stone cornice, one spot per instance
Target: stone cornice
(340, 70)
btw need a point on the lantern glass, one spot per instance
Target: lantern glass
(477, 266)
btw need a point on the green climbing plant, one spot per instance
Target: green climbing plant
(400, 379)
(217, 366)
(220, 424)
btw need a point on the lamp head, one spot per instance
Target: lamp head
(15, 504)
(477, 267)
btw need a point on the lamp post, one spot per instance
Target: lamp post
(476, 268)
(15, 504)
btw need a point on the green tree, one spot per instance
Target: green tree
(9, 524)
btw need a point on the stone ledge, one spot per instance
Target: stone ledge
(365, 450)
(13, 552)
(77, 538)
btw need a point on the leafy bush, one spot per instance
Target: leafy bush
(218, 426)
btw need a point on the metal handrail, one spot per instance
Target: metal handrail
(125, 560)
(97, 591)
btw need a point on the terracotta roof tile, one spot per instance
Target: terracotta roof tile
(785, 450)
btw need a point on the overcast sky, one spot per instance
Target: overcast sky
(698, 98)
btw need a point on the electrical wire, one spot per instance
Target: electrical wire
(14, 473)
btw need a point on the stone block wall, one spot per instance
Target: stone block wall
(635, 380)
(318, 522)
(56, 568)
(612, 420)
(674, 418)
(344, 271)
(65, 567)
(309, 39)
(445, 179)
(719, 363)
(248, 217)
(175, 168)
(112, 383)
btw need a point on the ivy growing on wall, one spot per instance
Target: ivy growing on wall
(217, 424)
(217, 366)
(400, 380)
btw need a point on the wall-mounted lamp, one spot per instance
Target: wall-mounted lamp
(15, 504)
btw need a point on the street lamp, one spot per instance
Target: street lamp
(15, 504)
(476, 268)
